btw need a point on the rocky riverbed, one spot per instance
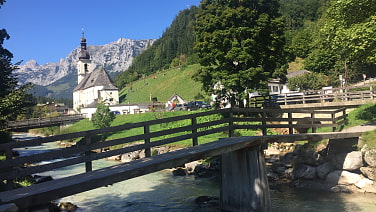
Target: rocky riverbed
(336, 166)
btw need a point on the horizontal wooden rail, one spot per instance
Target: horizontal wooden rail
(358, 93)
(43, 122)
(41, 193)
(196, 125)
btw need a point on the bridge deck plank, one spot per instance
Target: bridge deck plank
(41, 193)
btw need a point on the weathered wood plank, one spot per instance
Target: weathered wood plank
(244, 185)
(41, 193)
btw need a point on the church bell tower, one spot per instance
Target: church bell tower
(83, 63)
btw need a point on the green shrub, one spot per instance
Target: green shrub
(365, 112)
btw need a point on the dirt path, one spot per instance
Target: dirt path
(361, 128)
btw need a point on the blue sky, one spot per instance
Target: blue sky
(48, 30)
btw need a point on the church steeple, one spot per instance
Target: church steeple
(84, 61)
(84, 54)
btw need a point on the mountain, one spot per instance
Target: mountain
(115, 57)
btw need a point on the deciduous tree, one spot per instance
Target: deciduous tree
(240, 44)
(102, 116)
(347, 38)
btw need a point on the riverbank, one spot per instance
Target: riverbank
(162, 191)
(335, 165)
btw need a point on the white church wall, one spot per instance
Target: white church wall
(110, 96)
(119, 109)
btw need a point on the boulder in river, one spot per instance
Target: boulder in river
(343, 177)
(324, 169)
(304, 171)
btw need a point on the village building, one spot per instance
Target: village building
(94, 86)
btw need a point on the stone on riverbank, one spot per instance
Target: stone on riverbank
(324, 169)
(369, 156)
(348, 161)
(369, 172)
(304, 172)
(343, 177)
(131, 156)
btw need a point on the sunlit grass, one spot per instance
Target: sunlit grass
(163, 85)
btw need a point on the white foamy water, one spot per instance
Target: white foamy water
(161, 191)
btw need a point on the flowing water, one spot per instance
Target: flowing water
(161, 191)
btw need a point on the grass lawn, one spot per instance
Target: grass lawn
(163, 85)
(86, 124)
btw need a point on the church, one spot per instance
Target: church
(93, 86)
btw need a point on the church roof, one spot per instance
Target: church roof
(98, 77)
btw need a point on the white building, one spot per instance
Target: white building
(117, 109)
(93, 85)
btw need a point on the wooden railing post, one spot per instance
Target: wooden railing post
(371, 91)
(9, 156)
(334, 121)
(231, 124)
(313, 122)
(291, 129)
(194, 131)
(88, 164)
(346, 95)
(344, 115)
(147, 140)
(304, 93)
(264, 129)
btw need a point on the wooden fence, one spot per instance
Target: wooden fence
(366, 92)
(43, 122)
(199, 125)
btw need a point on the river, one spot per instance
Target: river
(161, 191)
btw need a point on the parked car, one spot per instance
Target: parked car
(195, 105)
(179, 107)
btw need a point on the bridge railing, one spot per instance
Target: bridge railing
(43, 122)
(191, 127)
(365, 92)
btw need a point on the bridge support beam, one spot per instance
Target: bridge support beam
(244, 184)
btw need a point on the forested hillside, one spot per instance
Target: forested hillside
(331, 37)
(175, 47)
(172, 49)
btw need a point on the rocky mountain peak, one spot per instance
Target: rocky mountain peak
(116, 56)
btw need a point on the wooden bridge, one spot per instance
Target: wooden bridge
(353, 96)
(43, 122)
(246, 152)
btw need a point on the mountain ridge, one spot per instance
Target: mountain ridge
(116, 56)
